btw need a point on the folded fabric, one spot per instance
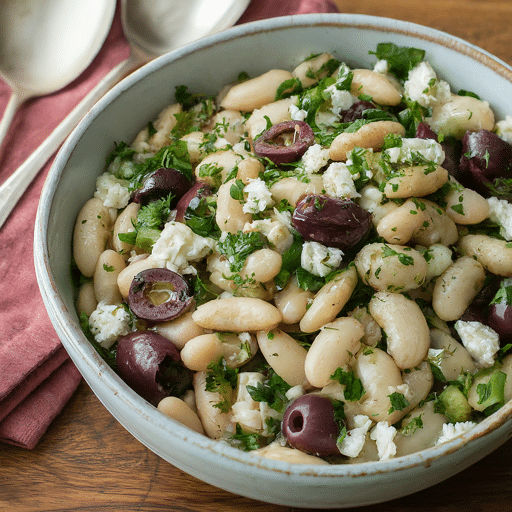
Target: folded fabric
(36, 376)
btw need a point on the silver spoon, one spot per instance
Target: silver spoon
(46, 44)
(152, 28)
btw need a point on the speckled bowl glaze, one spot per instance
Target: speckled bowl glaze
(205, 66)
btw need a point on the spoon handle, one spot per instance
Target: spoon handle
(13, 105)
(14, 187)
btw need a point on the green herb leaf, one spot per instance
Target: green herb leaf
(222, 379)
(238, 246)
(354, 389)
(400, 59)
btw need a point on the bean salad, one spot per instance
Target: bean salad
(314, 265)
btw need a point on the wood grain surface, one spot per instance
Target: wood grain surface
(87, 461)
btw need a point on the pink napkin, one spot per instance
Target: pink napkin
(37, 377)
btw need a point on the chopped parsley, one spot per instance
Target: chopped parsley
(354, 389)
(223, 380)
(238, 246)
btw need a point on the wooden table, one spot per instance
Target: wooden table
(88, 462)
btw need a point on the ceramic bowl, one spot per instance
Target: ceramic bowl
(205, 66)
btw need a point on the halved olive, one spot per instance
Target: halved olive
(159, 295)
(198, 190)
(285, 142)
(161, 183)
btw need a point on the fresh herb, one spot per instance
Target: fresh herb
(238, 246)
(492, 394)
(398, 402)
(107, 354)
(200, 216)
(412, 426)
(122, 151)
(354, 389)
(222, 379)
(246, 441)
(272, 392)
(308, 281)
(288, 88)
(401, 59)
(290, 261)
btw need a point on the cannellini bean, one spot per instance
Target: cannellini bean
(465, 206)
(285, 355)
(180, 330)
(405, 325)
(495, 255)
(237, 349)
(399, 225)
(255, 92)
(277, 112)
(415, 181)
(214, 421)
(416, 435)
(372, 330)
(418, 381)
(125, 277)
(194, 142)
(293, 301)
(92, 229)
(329, 300)
(461, 114)
(237, 314)
(378, 373)
(222, 161)
(439, 258)
(249, 169)
(229, 124)
(310, 71)
(456, 288)
(391, 267)
(370, 136)
(332, 348)
(199, 352)
(86, 301)
(178, 410)
(125, 224)
(262, 265)
(375, 202)
(439, 228)
(376, 85)
(454, 359)
(275, 451)
(230, 216)
(109, 266)
(292, 189)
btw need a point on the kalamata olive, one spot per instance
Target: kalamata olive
(485, 158)
(452, 148)
(331, 221)
(198, 190)
(355, 112)
(499, 316)
(151, 365)
(159, 295)
(309, 425)
(161, 183)
(285, 142)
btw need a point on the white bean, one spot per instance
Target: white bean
(311, 70)
(109, 266)
(178, 410)
(292, 189)
(199, 352)
(275, 451)
(277, 112)
(230, 216)
(415, 181)
(293, 301)
(495, 255)
(125, 277)
(180, 330)
(376, 85)
(86, 301)
(125, 224)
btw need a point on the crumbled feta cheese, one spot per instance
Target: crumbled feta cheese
(315, 158)
(504, 129)
(296, 113)
(423, 86)
(384, 434)
(284, 217)
(381, 66)
(112, 191)
(501, 213)
(339, 181)
(259, 197)
(426, 148)
(108, 322)
(481, 341)
(318, 259)
(178, 245)
(340, 100)
(452, 430)
(353, 442)
(276, 232)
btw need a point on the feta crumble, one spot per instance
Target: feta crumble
(504, 129)
(318, 259)
(112, 191)
(501, 213)
(339, 181)
(259, 197)
(315, 158)
(178, 245)
(482, 342)
(340, 100)
(353, 442)
(108, 322)
(452, 430)
(423, 86)
(426, 148)
(384, 434)
(296, 113)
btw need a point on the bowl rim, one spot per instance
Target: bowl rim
(72, 336)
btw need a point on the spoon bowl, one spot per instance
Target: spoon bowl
(46, 44)
(152, 28)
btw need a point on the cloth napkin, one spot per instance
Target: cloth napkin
(37, 377)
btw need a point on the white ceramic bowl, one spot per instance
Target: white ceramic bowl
(205, 66)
